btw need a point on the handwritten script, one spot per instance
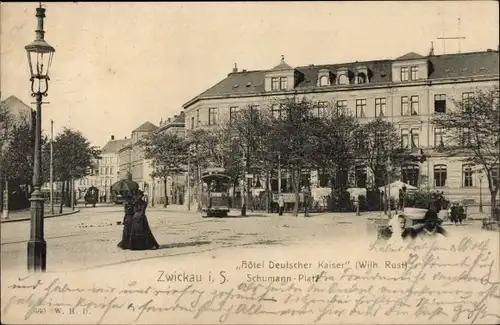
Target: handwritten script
(439, 283)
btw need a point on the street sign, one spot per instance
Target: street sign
(249, 176)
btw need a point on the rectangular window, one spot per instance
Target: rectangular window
(322, 108)
(360, 107)
(467, 173)
(233, 113)
(440, 175)
(197, 117)
(415, 138)
(410, 174)
(212, 116)
(466, 137)
(341, 105)
(494, 175)
(192, 122)
(405, 106)
(414, 73)
(283, 83)
(438, 137)
(440, 103)
(405, 139)
(111, 170)
(380, 106)
(414, 105)
(275, 83)
(467, 100)
(404, 74)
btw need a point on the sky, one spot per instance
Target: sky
(118, 65)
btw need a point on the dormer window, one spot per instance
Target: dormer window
(414, 73)
(323, 81)
(278, 83)
(344, 76)
(361, 78)
(283, 83)
(324, 78)
(343, 80)
(362, 75)
(404, 74)
(275, 83)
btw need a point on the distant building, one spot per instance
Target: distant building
(109, 164)
(176, 183)
(131, 157)
(407, 91)
(16, 111)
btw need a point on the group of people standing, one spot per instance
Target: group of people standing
(136, 233)
(457, 213)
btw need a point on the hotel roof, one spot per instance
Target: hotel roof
(442, 67)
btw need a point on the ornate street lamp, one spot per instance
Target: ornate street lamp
(39, 58)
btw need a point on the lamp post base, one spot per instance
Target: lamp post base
(37, 255)
(37, 247)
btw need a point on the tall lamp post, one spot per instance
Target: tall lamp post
(39, 58)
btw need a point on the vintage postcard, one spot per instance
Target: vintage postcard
(250, 163)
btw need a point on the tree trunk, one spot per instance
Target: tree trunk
(63, 197)
(67, 197)
(268, 194)
(296, 189)
(332, 194)
(494, 204)
(165, 204)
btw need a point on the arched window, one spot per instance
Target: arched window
(410, 174)
(323, 81)
(361, 78)
(360, 176)
(440, 175)
(343, 80)
(467, 175)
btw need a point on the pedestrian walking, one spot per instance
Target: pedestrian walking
(281, 205)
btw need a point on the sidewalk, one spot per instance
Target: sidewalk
(25, 214)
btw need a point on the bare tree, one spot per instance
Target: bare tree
(472, 133)
(336, 151)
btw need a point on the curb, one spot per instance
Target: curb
(46, 217)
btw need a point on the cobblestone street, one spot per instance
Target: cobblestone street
(88, 239)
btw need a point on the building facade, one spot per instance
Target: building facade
(131, 158)
(407, 91)
(175, 184)
(109, 166)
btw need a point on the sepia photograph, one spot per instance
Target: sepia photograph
(333, 162)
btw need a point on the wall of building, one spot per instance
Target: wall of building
(421, 123)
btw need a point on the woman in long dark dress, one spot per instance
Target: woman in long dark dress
(127, 223)
(141, 237)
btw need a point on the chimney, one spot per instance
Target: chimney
(235, 69)
(112, 137)
(125, 138)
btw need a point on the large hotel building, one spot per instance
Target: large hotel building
(407, 91)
